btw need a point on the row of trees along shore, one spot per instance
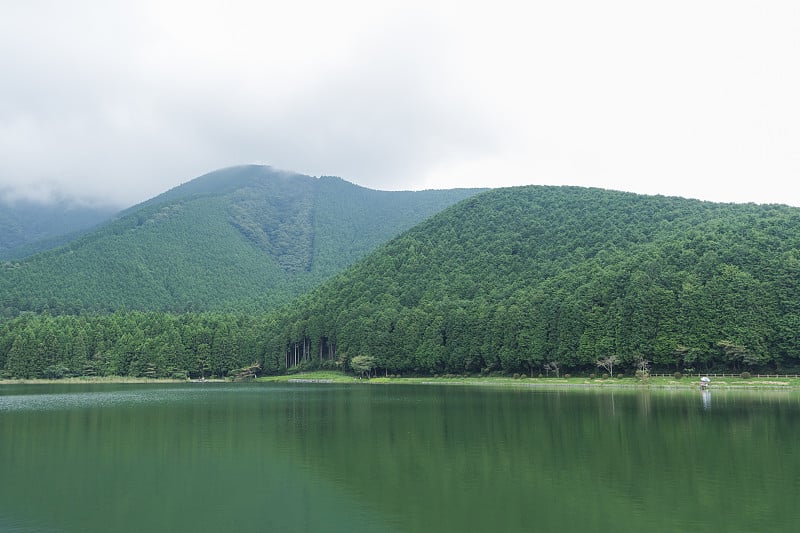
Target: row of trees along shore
(454, 341)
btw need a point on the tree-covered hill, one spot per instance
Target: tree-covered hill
(520, 280)
(539, 279)
(243, 238)
(28, 227)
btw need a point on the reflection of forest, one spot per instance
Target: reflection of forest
(192, 459)
(416, 458)
(459, 459)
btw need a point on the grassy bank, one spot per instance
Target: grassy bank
(663, 382)
(339, 377)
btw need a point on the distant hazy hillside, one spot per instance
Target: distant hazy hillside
(533, 278)
(240, 238)
(27, 228)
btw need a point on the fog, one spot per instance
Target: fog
(115, 102)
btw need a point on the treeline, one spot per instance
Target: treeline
(158, 345)
(522, 280)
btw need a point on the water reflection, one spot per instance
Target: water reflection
(408, 458)
(706, 398)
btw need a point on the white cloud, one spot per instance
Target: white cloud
(120, 101)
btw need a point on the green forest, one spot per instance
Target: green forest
(132, 343)
(241, 239)
(534, 280)
(540, 280)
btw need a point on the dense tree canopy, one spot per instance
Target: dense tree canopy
(141, 344)
(514, 279)
(529, 279)
(246, 238)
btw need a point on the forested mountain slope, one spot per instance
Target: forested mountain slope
(243, 238)
(27, 227)
(529, 279)
(533, 278)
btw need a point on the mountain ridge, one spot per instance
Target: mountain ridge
(246, 237)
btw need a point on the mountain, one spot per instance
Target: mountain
(28, 227)
(539, 279)
(522, 280)
(241, 238)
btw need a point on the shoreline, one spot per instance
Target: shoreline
(102, 380)
(322, 378)
(730, 383)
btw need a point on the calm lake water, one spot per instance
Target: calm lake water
(219, 457)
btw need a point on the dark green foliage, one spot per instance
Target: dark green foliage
(240, 239)
(529, 281)
(532, 279)
(156, 345)
(280, 222)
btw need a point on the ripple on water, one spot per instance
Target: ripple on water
(82, 400)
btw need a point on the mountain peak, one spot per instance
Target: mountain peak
(234, 238)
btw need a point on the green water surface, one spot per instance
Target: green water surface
(316, 457)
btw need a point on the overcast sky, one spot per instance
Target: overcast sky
(119, 101)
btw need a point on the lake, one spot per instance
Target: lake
(326, 457)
